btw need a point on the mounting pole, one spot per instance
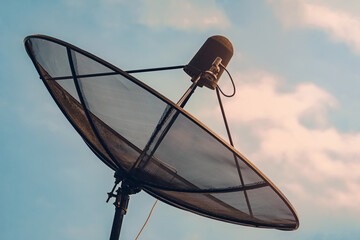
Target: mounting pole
(121, 203)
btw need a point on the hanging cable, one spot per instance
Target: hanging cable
(232, 81)
(146, 220)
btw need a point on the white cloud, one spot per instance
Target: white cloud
(336, 18)
(183, 15)
(316, 162)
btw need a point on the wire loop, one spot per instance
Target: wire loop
(232, 81)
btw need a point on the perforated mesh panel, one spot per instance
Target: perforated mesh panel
(168, 152)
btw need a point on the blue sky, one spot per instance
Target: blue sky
(295, 116)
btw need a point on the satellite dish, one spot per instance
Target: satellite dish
(153, 144)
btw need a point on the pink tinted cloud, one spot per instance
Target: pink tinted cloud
(316, 155)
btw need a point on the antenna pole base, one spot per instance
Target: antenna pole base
(121, 204)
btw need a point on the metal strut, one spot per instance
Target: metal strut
(155, 69)
(127, 187)
(232, 144)
(182, 102)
